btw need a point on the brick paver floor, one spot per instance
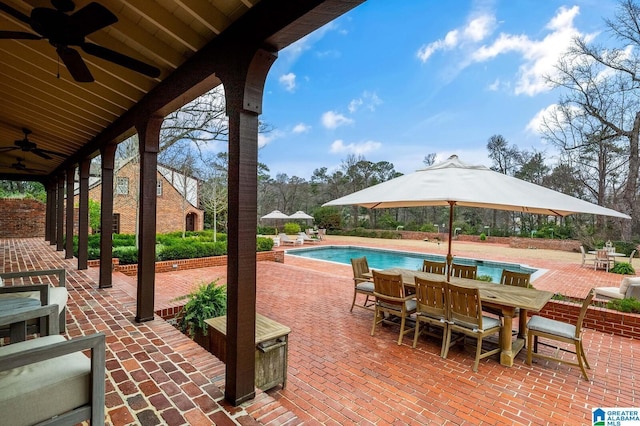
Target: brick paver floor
(338, 373)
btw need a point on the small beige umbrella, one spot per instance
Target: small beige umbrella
(454, 183)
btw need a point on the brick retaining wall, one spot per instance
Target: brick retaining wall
(515, 242)
(182, 264)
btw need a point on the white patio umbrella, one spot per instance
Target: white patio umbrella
(454, 183)
(276, 214)
(300, 215)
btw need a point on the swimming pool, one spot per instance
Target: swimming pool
(384, 258)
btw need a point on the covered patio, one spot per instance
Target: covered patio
(338, 373)
(79, 77)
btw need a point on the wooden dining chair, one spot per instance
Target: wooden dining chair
(465, 317)
(546, 328)
(603, 260)
(518, 279)
(391, 299)
(464, 271)
(431, 309)
(361, 284)
(433, 267)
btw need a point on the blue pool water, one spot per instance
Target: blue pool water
(383, 259)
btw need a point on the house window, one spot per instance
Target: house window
(122, 186)
(159, 189)
(116, 223)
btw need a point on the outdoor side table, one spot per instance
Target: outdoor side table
(272, 340)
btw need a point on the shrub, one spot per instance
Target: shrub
(327, 217)
(208, 301)
(291, 228)
(128, 255)
(266, 230)
(625, 305)
(264, 244)
(486, 278)
(623, 268)
(483, 237)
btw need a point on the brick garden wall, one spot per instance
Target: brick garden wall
(182, 264)
(21, 218)
(515, 242)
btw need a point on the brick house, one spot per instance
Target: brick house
(178, 198)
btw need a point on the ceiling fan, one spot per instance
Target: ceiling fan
(21, 167)
(63, 30)
(25, 145)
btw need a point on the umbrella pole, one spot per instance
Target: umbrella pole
(449, 255)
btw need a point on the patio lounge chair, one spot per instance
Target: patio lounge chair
(284, 240)
(629, 287)
(307, 239)
(392, 300)
(49, 379)
(541, 327)
(57, 295)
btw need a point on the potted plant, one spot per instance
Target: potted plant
(207, 301)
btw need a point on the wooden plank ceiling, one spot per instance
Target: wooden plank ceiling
(38, 93)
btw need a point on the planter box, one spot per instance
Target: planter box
(272, 346)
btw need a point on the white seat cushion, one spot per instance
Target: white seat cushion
(57, 296)
(608, 292)
(365, 286)
(557, 328)
(58, 384)
(626, 283)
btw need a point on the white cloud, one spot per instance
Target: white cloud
(476, 30)
(332, 120)
(338, 147)
(265, 139)
(288, 81)
(368, 99)
(552, 117)
(301, 128)
(354, 105)
(539, 57)
(493, 87)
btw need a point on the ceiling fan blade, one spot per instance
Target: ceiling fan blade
(92, 18)
(120, 59)
(15, 13)
(8, 148)
(18, 35)
(49, 152)
(41, 153)
(75, 64)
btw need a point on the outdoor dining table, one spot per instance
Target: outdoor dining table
(610, 254)
(504, 297)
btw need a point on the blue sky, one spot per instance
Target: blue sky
(397, 80)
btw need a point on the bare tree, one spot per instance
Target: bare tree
(601, 104)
